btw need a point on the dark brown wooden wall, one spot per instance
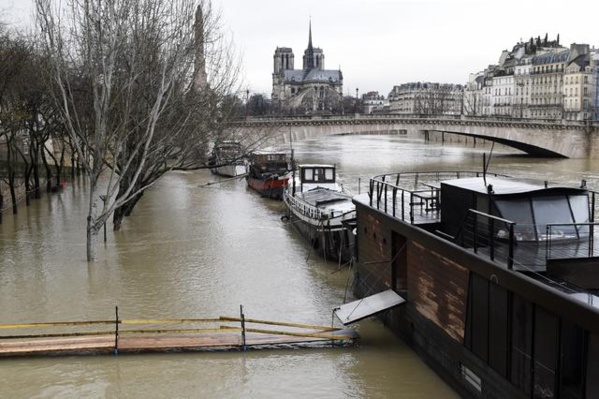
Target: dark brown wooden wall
(438, 289)
(437, 286)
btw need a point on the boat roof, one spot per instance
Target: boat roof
(316, 165)
(503, 186)
(266, 152)
(328, 199)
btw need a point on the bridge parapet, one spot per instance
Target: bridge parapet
(417, 119)
(541, 137)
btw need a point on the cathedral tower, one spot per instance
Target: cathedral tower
(310, 89)
(283, 60)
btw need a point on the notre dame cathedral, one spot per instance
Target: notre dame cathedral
(310, 90)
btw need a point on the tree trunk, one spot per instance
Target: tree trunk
(13, 193)
(26, 175)
(122, 211)
(11, 178)
(92, 240)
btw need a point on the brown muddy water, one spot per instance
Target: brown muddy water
(192, 250)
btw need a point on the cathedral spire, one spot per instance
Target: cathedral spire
(310, 34)
(310, 50)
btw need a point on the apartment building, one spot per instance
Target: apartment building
(539, 80)
(425, 98)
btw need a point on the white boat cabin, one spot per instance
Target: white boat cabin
(312, 176)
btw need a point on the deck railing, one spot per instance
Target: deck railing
(492, 235)
(307, 210)
(397, 193)
(572, 240)
(403, 195)
(501, 240)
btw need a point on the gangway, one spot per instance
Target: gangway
(163, 335)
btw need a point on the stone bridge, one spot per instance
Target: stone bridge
(545, 138)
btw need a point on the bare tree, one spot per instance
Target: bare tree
(16, 57)
(131, 102)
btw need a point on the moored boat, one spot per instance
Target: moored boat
(321, 211)
(227, 159)
(268, 173)
(500, 279)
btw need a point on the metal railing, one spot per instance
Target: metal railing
(402, 194)
(571, 240)
(488, 235)
(307, 210)
(397, 193)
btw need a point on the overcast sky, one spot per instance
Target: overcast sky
(382, 43)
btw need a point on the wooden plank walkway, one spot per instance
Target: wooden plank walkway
(76, 338)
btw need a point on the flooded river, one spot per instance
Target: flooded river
(196, 250)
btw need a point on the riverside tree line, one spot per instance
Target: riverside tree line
(127, 90)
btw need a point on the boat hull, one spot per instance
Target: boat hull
(485, 329)
(229, 170)
(271, 187)
(331, 237)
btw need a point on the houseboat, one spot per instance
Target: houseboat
(268, 173)
(321, 211)
(227, 159)
(500, 279)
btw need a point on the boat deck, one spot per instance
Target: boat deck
(422, 208)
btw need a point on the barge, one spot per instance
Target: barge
(500, 279)
(322, 212)
(268, 173)
(227, 159)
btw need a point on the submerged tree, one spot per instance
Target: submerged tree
(131, 102)
(16, 62)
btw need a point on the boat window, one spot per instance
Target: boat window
(520, 212)
(329, 174)
(580, 209)
(553, 209)
(318, 174)
(308, 174)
